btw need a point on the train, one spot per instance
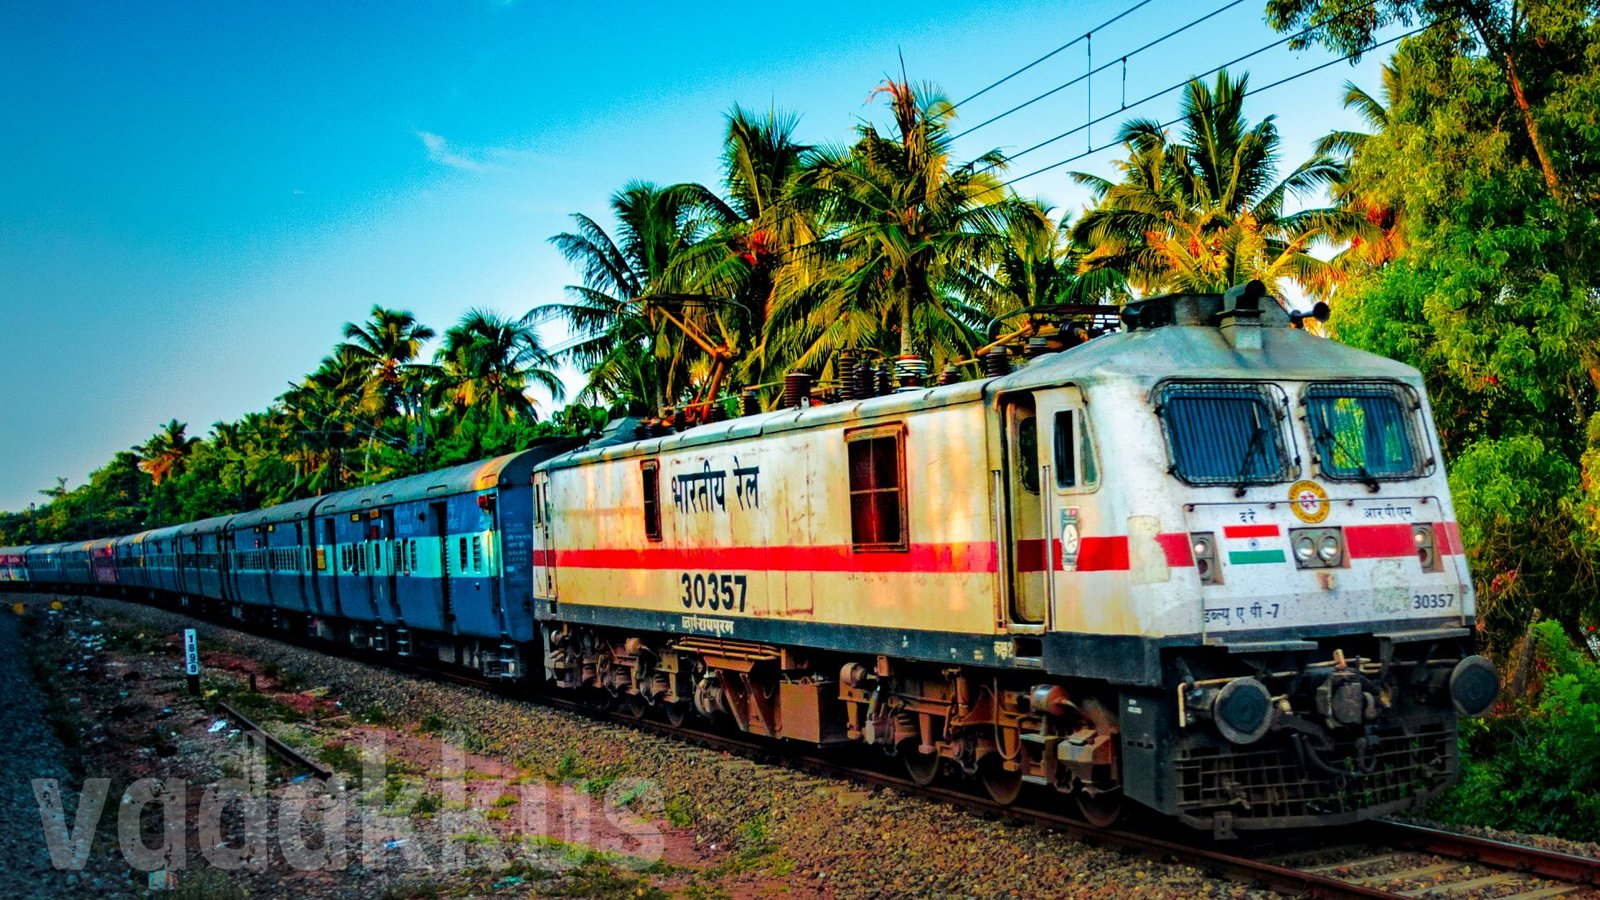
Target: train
(1203, 566)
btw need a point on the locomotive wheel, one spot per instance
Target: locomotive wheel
(1002, 787)
(922, 768)
(1103, 809)
(676, 712)
(634, 705)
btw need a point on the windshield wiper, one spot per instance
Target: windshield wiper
(1240, 480)
(1340, 446)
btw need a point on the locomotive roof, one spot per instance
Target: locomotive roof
(1141, 356)
(1201, 351)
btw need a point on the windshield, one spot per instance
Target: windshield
(1363, 431)
(1224, 433)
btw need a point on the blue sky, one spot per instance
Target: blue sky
(194, 197)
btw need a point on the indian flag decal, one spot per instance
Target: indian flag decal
(1253, 544)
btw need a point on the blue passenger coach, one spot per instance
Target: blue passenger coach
(436, 564)
(426, 554)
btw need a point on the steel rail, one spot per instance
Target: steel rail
(1490, 852)
(279, 747)
(1223, 865)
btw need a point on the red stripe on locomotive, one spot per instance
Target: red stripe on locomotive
(1375, 541)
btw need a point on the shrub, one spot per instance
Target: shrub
(1533, 769)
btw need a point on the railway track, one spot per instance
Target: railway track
(1402, 860)
(1374, 859)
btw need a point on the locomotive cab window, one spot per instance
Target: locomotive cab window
(877, 487)
(1224, 433)
(1074, 454)
(1363, 431)
(650, 475)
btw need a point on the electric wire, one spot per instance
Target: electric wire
(1212, 71)
(1068, 45)
(1121, 60)
(1250, 92)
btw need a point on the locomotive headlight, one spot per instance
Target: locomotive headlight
(1305, 548)
(1204, 545)
(1427, 547)
(1317, 548)
(1330, 549)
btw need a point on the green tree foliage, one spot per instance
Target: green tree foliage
(1533, 770)
(1531, 46)
(370, 412)
(1208, 211)
(632, 290)
(489, 362)
(905, 225)
(1495, 299)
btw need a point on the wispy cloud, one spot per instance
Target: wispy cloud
(443, 153)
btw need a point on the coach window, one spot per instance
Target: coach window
(650, 474)
(877, 487)
(1074, 453)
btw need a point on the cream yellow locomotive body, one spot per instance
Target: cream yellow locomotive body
(1207, 564)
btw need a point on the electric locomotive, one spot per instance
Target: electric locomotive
(1205, 565)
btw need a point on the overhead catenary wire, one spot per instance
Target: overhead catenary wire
(1169, 123)
(1067, 46)
(1122, 60)
(1212, 71)
(1250, 92)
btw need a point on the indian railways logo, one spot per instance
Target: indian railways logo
(1309, 501)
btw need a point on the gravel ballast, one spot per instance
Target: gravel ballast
(29, 749)
(722, 825)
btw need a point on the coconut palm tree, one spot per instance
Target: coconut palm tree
(164, 453)
(325, 416)
(634, 286)
(489, 362)
(1039, 267)
(388, 344)
(906, 224)
(1208, 211)
(1387, 215)
(735, 268)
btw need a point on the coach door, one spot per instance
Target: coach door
(439, 513)
(385, 581)
(1028, 543)
(328, 570)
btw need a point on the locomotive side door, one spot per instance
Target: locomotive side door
(544, 568)
(1073, 519)
(1027, 544)
(1050, 464)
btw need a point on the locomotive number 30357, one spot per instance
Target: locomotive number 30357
(708, 590)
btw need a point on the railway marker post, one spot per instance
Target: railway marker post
(191, 661)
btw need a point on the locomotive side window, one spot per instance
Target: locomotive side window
(650, 474)
(1224, 433)
(1028, 453)
(877, 487)
(1074, 454)
(1363, 431)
